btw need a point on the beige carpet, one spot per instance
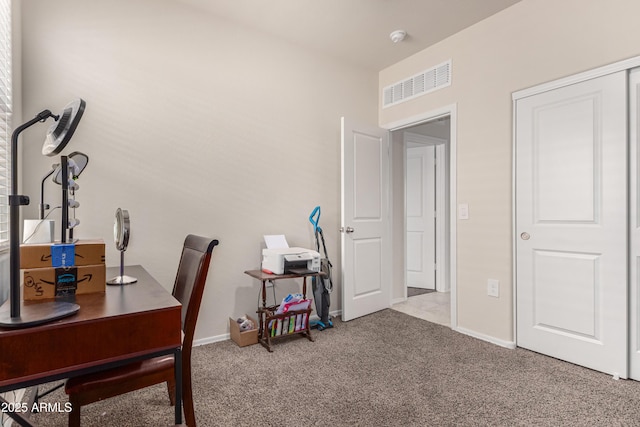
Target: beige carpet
(386, 369)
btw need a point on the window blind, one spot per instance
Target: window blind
(5, 119)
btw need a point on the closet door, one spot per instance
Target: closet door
(634, 224)
(571, 223)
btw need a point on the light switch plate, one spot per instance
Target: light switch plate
(463, 211)
(493, 288)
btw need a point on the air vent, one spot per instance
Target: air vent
(427, 81)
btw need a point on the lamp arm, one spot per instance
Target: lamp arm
(40, 117)
(15, 201)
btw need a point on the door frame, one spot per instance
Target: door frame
(440, 195)
(633, 86)
(451, 112)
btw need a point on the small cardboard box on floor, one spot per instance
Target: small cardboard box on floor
(243, 338)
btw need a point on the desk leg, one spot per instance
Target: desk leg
(14, 415)
(264, 294)
(260, 323)
(304, 287)
(308, 328)
(177, 368)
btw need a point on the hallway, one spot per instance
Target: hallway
(434, 307)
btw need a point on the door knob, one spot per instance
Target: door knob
(346, 230)
(525, 236)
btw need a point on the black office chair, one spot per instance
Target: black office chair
(188, 289)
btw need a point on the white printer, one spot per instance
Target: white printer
(283, 260)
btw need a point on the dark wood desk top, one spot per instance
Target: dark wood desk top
(125, 322)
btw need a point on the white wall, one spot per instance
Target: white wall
(527, 44)
(195, 126)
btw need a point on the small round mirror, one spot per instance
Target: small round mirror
(121, 233)
(121, 229)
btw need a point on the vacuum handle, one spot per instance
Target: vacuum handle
(314, 218)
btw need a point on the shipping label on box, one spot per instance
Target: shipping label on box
(39, 255)
(63, 255)
(65, 281)
(43, 283)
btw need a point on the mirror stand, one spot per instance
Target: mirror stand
(122, 279)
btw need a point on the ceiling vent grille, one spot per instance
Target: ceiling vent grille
(427, 81)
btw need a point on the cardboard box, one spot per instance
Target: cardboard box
(43, 283)
(243, 338)
(38, 255)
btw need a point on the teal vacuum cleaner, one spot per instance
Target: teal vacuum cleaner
(322, 286)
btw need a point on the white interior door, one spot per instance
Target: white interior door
(571, 223)
(365, 222)
(420, 213)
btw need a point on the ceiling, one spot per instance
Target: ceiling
(356, 31)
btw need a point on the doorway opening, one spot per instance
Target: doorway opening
(426, 215)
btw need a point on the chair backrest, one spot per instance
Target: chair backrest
(190, 280)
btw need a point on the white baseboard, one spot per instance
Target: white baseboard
(493, 340)
(397, 301)
(211, 340)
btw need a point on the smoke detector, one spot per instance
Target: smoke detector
(398, 35)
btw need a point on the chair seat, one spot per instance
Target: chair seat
(117, 377)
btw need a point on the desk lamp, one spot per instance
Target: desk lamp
(57, 138)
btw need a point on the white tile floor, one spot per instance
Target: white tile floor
(434, 307)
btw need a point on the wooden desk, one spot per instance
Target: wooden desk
(267, 314)
(126, 323)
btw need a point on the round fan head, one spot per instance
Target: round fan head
(62, 130)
